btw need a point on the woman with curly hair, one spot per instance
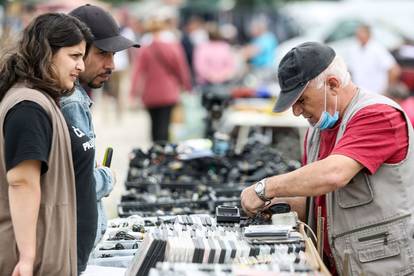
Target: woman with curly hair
(37, 180)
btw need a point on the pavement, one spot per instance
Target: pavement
(122, 133)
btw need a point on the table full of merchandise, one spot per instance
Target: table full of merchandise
(181, 215)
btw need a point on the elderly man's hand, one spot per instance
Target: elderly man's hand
(250, 202)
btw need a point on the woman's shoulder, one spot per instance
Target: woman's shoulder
(20, 93)
(22, 90)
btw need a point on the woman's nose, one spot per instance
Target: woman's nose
(80, 65)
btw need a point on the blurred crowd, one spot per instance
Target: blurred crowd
(194, 51)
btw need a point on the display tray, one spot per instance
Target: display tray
(191, 244)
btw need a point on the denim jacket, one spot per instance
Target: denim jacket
(76, 110)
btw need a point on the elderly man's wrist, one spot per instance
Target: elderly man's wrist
(260, 189)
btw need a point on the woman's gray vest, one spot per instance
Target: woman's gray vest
(371, 217)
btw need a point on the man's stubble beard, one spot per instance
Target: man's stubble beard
(92, 85)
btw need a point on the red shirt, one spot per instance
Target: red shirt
(375, 135)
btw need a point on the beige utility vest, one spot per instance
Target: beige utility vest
(371, 217)
(56, 226)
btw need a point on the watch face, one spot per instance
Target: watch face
(259, 187)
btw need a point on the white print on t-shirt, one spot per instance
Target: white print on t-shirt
(89, 145)
(78, 132)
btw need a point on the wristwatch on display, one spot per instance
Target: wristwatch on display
(260, 190)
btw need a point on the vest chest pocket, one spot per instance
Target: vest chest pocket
(378, 251)
(356, 193)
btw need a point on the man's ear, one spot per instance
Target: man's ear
(333, 84)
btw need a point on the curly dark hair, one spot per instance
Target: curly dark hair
(31, 60)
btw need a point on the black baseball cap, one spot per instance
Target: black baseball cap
(104, 28)
(300, 65)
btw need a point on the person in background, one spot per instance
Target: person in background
(194, 34)
(400, 94)
(261, 52)
(99, 64)
(358, 168)
(371, 65)
(214, 60)
(37, 181)
(160, 72)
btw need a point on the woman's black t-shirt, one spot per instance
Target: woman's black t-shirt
(28, 136)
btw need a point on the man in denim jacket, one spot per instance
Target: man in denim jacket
(99, 65)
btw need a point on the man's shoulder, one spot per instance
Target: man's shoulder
(375, 48)
(369, 105)
(75, 96)
(375, 114)
(78, 96)
(377, 108)
(367, 98)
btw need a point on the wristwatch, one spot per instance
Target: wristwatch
(260, 190)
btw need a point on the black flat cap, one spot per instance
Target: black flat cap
(300, 65)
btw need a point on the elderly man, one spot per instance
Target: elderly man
(358, 165)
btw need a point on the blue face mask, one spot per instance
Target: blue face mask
(327, 120)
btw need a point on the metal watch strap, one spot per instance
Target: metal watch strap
(262, 196)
